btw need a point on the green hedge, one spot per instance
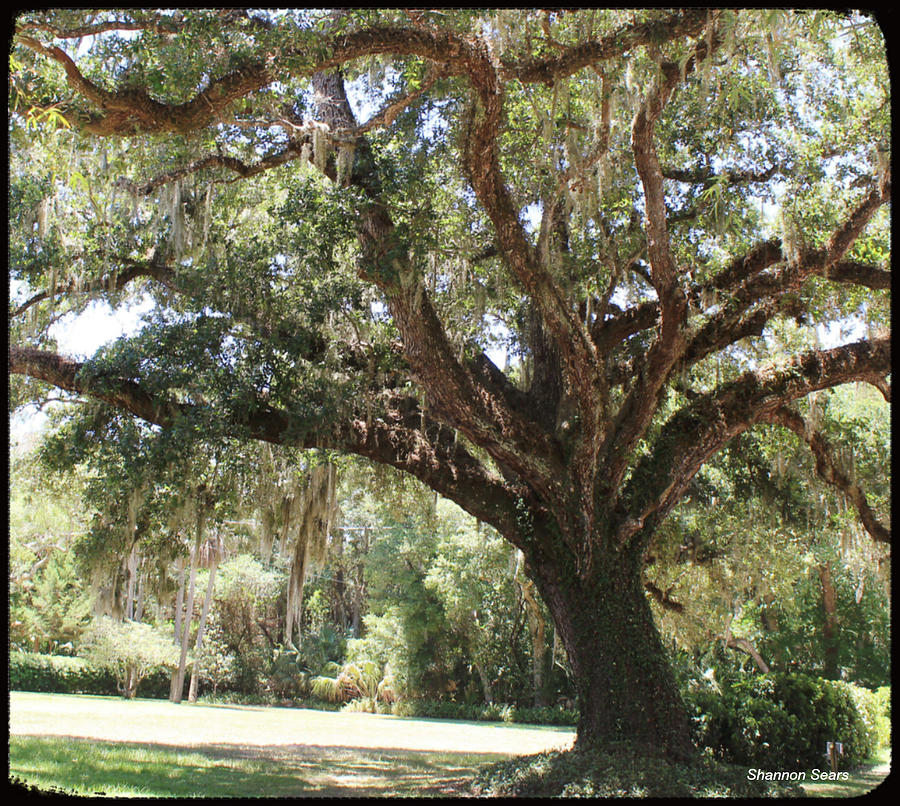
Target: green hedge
(496, 712)
(58, 674)
(783, 721)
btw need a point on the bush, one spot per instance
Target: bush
(618, 771)
(130, 650)
(496, 712)
(875, 709)
(55, 674)
(782, 721)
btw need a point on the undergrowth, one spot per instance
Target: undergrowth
(620, 771)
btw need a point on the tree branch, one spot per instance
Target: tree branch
(684, 22)
(396, 437)
(638, 409)
(829, 470)
(111, 282)
(480, 412)
(133, 111)
(705, 425)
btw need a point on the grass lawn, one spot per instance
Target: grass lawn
(860, 782)
(154, 748)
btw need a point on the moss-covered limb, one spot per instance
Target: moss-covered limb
(111, 282)
(132, 111)
(670, 341)
(683, 22)
(401, 435)
(829, 470)
(482, 412)
(67, 374)
(559, 321)
(705, 425)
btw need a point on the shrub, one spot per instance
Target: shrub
(875, 709)
(130, 650)
(54, 674)
(496, 712)
(29, 671)
(782, 721)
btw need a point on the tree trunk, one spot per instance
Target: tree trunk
(830, 626)
(178, 682)
(179, 600)
(139, 604)
(485, 682)
(179, 613)
(195, 668)
(536, 629)
(625, 686)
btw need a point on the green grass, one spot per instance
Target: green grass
(860, 782)
(119, 769)
(151, 748)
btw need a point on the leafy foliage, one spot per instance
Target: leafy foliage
(569, 268)
(131, 650)
(783, 721)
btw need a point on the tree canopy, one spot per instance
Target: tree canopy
(550, 262)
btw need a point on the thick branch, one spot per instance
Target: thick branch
(684, 22)
(662, 598)
(829, 470)
(479, 411)
(110, 282)
(292, 151)
(705, 425)
(570, 337)
(641, 403)
(67, 374)
(431, 454)
(133, 111)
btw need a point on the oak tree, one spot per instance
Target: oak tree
(539, 259)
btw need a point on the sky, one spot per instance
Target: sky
(80, 337)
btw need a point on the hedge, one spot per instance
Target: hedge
(496, 712)
(29, 671)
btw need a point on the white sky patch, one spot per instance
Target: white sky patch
(81, 336)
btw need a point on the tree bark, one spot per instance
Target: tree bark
(830, 623)
(485, 679)
(536, 629)
(625, 686)
(178, 683)
(198, 645)
(179, 621)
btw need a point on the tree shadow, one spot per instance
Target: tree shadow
(72, 764)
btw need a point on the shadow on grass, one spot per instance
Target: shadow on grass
(861, 783)
(81, 766)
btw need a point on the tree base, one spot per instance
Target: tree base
(621, 771)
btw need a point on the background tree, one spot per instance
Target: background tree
(49, 604)
(340, 216)
(130, 649)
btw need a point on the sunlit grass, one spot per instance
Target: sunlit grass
(151, 748)
(117, 769)
(86, 767)
(860, 782)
